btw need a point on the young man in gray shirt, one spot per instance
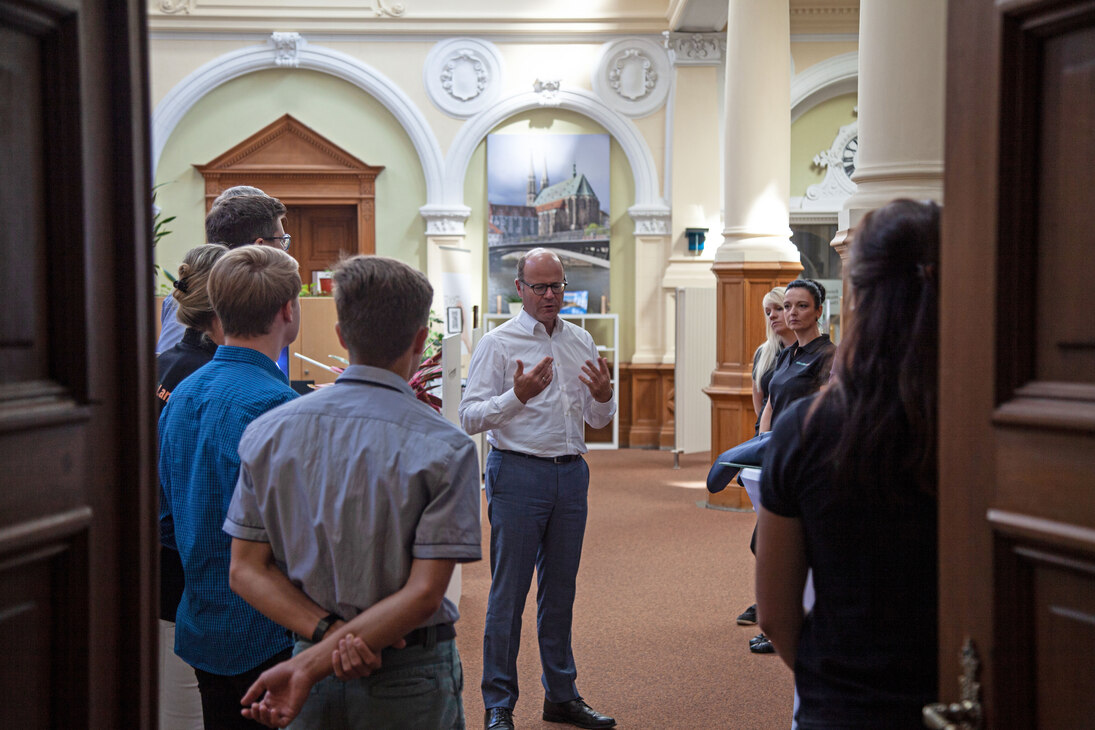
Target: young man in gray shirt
(352, 508)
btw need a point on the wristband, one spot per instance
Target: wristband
(323, 626)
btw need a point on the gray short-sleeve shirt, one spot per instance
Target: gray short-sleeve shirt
(352, 483)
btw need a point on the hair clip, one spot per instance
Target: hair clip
(181, 285)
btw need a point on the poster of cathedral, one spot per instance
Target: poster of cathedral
(550, 190)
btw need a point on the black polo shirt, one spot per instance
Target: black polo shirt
(800, 371)
(867, 652)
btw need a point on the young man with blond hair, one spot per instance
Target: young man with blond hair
(254, 291)
(353, 506)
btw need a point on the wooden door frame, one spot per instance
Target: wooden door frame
(299, 166)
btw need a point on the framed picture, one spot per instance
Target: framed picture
(454, 320)
(552, 191)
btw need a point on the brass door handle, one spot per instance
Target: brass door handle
(964, 715)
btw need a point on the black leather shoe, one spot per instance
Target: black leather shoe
(498, 718)
(576, 712)
(764, 646)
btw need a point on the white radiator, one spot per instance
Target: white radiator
(696, 332)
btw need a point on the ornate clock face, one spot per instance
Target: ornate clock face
(848, 154)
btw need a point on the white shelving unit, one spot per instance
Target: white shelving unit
(605, 329)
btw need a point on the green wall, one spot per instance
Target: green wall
(813, 132)
(336, 109)
(622, 245)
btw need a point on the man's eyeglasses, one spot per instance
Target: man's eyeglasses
(283, 240)
(541, 289)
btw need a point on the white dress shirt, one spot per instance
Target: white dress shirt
(551, 423)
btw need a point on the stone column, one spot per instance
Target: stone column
(902, 87)
(695, 172)
(647, 408)
(450, 267)
(756, 253)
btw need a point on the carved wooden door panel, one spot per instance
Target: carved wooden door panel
(1017, 409)
(77, 514)
(321, 233)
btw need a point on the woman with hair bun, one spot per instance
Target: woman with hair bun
(848, 491)
(180, 703)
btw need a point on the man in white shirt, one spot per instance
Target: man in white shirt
(532, 382)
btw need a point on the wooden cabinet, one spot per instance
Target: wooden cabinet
(317, 340)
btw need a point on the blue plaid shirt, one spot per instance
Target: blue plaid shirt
(200, 430)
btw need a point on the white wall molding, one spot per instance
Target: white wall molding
(463, 76)
(648, 203)
(632, 76)
(825, 80)
(299, 54)
(445, 220)
(696, 49)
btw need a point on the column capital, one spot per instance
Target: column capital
(651, 220)
(695, 49)
(445, 220)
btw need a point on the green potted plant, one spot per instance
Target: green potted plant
(515, 303)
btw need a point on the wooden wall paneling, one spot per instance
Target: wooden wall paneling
(623, 405)
(668, 437)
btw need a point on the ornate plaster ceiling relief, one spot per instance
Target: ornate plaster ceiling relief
(548, 91)
(287, 49)
(171, 7)
(390, 9)
(695, 49)
(631, 76)
(462, 76)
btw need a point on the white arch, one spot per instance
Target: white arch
(826, 80)
(623, 130)
(174, 106)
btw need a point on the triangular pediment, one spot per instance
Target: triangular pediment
(286, 146)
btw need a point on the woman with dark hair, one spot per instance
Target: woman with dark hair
(803, 368)
(848, 491)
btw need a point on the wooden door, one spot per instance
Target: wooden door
(321, 233)
(77, 504)
(1017, 409)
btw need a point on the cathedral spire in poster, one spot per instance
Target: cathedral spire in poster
(550, 190)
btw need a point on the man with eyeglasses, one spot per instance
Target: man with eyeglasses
(261, 220)
(532, 382)
(240, 216)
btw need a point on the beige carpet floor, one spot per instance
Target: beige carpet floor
(661, 583)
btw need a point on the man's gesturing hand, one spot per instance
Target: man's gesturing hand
(597, 379)
(532, 383)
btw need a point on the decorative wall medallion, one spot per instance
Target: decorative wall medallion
(548, 91)
(632, 76)
(287, 49)
(172, 7)
(462, 76)
(696, 49)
